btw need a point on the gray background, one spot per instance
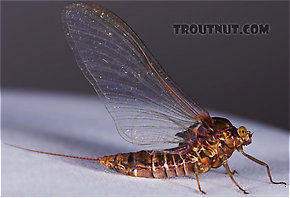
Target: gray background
(243, 75)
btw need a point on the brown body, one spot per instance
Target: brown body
(207, 153)
(199, 152)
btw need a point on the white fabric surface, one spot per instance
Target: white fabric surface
(80, 125)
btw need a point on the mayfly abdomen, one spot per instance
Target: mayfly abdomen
(150, 164)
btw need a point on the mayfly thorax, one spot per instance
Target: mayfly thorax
(147, 106)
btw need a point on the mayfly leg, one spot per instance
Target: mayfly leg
(196, 176)
(263, 164)
(232, 172)
(225, 164)
(196, 170)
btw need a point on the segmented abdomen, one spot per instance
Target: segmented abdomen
(150, 164)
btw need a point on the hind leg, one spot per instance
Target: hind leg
(196, 176)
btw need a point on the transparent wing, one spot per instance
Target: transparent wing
(146, 105)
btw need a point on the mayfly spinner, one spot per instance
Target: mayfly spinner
(146, 105)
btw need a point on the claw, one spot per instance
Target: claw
(235, 172)
(202, 192)
(245, 192)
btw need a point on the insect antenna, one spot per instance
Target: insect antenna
(61, 155)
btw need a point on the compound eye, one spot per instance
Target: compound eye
(242, 131)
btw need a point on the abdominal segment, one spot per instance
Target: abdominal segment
(151, 164)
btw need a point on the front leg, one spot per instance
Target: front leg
(261, 163)
(225, 164)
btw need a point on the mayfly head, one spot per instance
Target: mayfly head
(245, 135)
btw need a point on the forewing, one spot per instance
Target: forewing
(145, 104)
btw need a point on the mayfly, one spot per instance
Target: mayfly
(147, 106)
